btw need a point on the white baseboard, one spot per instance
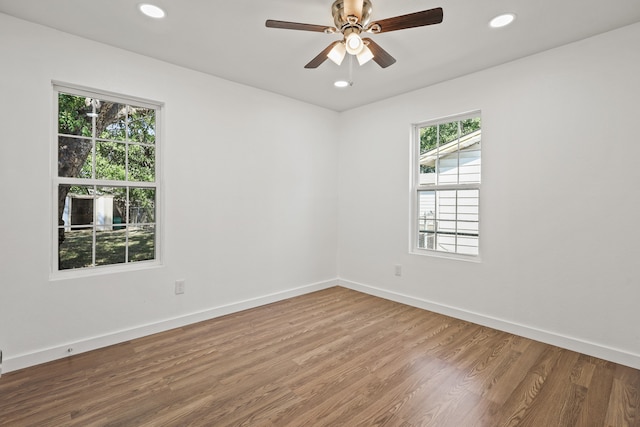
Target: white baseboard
(570, 343)
(37, 357)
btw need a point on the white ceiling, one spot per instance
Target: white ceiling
(229, 39)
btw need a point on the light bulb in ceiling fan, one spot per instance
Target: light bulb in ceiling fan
(354, 44)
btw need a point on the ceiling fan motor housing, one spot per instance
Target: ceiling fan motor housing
(341, 21)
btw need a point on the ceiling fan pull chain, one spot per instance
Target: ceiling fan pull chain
(350, 70)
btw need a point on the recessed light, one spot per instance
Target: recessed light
(502, 20)
(341, 83)
(152, 10)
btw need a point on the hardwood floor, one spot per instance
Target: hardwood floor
(332, 358)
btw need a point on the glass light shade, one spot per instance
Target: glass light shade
(338, 53)
(354, 44)
(365, 55)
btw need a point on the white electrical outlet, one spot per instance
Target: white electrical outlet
(180, 284)
(398, 270)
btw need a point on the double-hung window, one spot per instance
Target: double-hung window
(446, 185)
(105, 180)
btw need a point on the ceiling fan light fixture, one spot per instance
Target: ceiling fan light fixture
(338, 53)
(502, 20)
(341, 83)
(351, 18)
(353, 43)
(365, 55)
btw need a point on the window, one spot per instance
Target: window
(446, 170)
(105, 180)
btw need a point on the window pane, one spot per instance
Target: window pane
(142, 240)
(428, 138)
(142, 125)
(142, 205)
(426, 210)
(447, 162)
(470, 142)
(142, 163)
(448, 132)
(428, 149)
(448, 168)
(468, 198)
(62, 207)
(74, 157)
(446, 198)
(110, 160)
(75, 205)
(74, 115)
(446, 243)
(469, 169)
(111, 203)
(110, 246)
(468, 245)
(75, 248)
(112, 123)
(426, 240)
(470, 125)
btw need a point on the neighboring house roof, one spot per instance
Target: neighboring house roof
(429, 158)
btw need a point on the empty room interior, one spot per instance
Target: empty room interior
(211, 231)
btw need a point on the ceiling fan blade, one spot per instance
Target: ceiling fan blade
(411, 20)
(380, 55)
(322, 56)
(296, 26)
(353, 7)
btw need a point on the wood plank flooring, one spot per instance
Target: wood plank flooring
(331, 358)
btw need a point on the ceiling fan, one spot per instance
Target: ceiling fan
(351, 18)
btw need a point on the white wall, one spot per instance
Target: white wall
(559, 200)
(250, 198)
(559, 175)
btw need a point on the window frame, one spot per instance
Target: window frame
(56, 181)
(416, 187)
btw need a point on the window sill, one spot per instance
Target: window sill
(446, 255)
(103, 270)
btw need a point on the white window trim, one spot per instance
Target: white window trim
(415, 187)
(73, 89)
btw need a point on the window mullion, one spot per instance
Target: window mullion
(456, 220)
(126, 143)
(436, 219)
(458, 152)
(93, 138)
(126, 227)
(458, 182)
(437, 180)
(94, 229)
